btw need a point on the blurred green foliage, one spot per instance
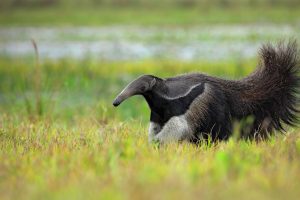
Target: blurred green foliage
(152, 3)
(72, 88)
(99, 16)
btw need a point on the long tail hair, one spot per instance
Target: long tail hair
(270, 93)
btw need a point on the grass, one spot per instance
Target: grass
(81, 147)
(88, 87)
(99, 16)
(112, 160)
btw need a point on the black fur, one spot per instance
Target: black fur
(163, 109)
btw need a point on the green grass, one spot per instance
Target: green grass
(71, 88)
(81, 147)
(112, 160)
(99, 16)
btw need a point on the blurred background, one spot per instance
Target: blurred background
(88, 50)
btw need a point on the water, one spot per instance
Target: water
(217, 42)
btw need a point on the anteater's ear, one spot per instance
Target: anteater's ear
(152, 83)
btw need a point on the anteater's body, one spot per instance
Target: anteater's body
(194, 106)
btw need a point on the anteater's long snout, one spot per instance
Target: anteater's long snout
(116, 102)
(136, 87)
(121, 97)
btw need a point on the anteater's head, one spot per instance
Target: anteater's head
(139, 86)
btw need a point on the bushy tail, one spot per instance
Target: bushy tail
(271, 92)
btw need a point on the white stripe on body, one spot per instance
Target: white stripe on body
(179, 96)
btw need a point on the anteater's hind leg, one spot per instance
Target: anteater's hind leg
(260, 129)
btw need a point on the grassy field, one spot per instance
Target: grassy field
(69, 88)
(145, 16)
(112, 160)
(61, 138)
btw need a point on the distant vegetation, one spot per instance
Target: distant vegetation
(144, 12)
(152, 3)
(99, 16)
(70, 88)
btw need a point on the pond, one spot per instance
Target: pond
(216, 42)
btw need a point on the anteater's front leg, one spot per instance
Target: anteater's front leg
(154, 129)
(176, 129)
